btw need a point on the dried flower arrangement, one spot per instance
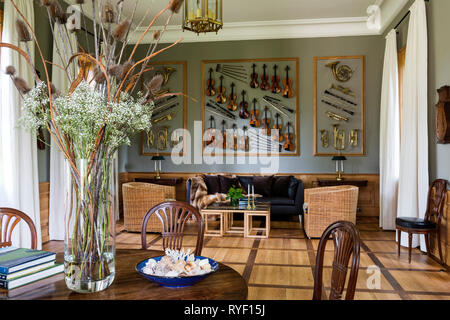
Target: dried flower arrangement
(91, 120)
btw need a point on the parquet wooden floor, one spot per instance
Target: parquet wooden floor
(282, 266)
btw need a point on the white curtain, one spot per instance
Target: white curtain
(19, 182)
(389, 135)
(413, 183)
(57, 182)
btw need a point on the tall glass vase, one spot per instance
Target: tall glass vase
(89, 250)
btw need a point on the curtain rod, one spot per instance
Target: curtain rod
(404, 17)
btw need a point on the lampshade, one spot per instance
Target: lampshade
(339, 158)
(156, 158)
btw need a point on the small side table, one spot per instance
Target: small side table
(211, 232)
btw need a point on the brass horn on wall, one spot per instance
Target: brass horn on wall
(342, 73)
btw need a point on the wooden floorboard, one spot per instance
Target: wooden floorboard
(282, 267)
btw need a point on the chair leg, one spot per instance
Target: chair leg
(399, 239)
(440, 246)
(427, 244)
(409, 246)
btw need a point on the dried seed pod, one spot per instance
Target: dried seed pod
(125, 68)
(57, 13)
(11, 71)
(108, 13)
(120, 32)
(21, 85)
(116, 70)
(175, 5)
(99, 76)
(154, 85)
(156, 35)
(22, 31)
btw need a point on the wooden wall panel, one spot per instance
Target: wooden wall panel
(44, 200)
(368, 198)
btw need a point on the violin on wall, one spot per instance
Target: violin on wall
(254, 83)
(288, 145)
(254, 122)
(266, 124)
(275, 81)
(277, 126)
(264, 80)
(243, 113)
(232, 105)
(221, 97)
(211, 133)
(210, 91)
(287, 90)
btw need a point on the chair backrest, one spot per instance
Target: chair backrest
(173, 216)
(436, 198)
(9, 219)
(346, 243)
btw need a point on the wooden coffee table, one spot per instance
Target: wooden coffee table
(226, 223)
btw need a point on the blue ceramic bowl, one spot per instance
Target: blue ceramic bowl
(178, 282)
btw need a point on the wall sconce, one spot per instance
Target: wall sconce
(339, 166)
(158, 160)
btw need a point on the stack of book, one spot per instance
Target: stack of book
(19, 266)
(243, 202)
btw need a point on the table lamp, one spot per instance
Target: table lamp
(158, 159)
(339, 166)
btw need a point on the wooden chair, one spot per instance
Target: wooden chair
(9, 219)
(173, 216)
(346, 243)
(431, 222)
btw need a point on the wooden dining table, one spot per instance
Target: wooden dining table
(224, 284)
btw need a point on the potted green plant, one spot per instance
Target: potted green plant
(234, 194)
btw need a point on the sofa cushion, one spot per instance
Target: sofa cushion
(279, 201)
(280, 186)
(293, 186)
(227, 182)
(212, 183)
(245, 181)
(263, 185)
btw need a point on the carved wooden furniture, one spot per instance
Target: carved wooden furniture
(225, 212)
(346, 244)
(224, 284)
(443, 115)
(323, 206)
(431, 222)
(138, 199)
(9, 219)
(173, 216)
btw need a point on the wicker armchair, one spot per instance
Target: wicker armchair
(138, 199)
(324, 206)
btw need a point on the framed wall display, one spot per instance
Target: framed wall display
(339, 106)
(247, 99)
(169, 113)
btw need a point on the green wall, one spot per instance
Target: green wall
(304, 49)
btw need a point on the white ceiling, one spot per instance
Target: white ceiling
(270, 19)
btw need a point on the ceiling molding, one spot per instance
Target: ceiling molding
(259, 30)
(390, 9)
